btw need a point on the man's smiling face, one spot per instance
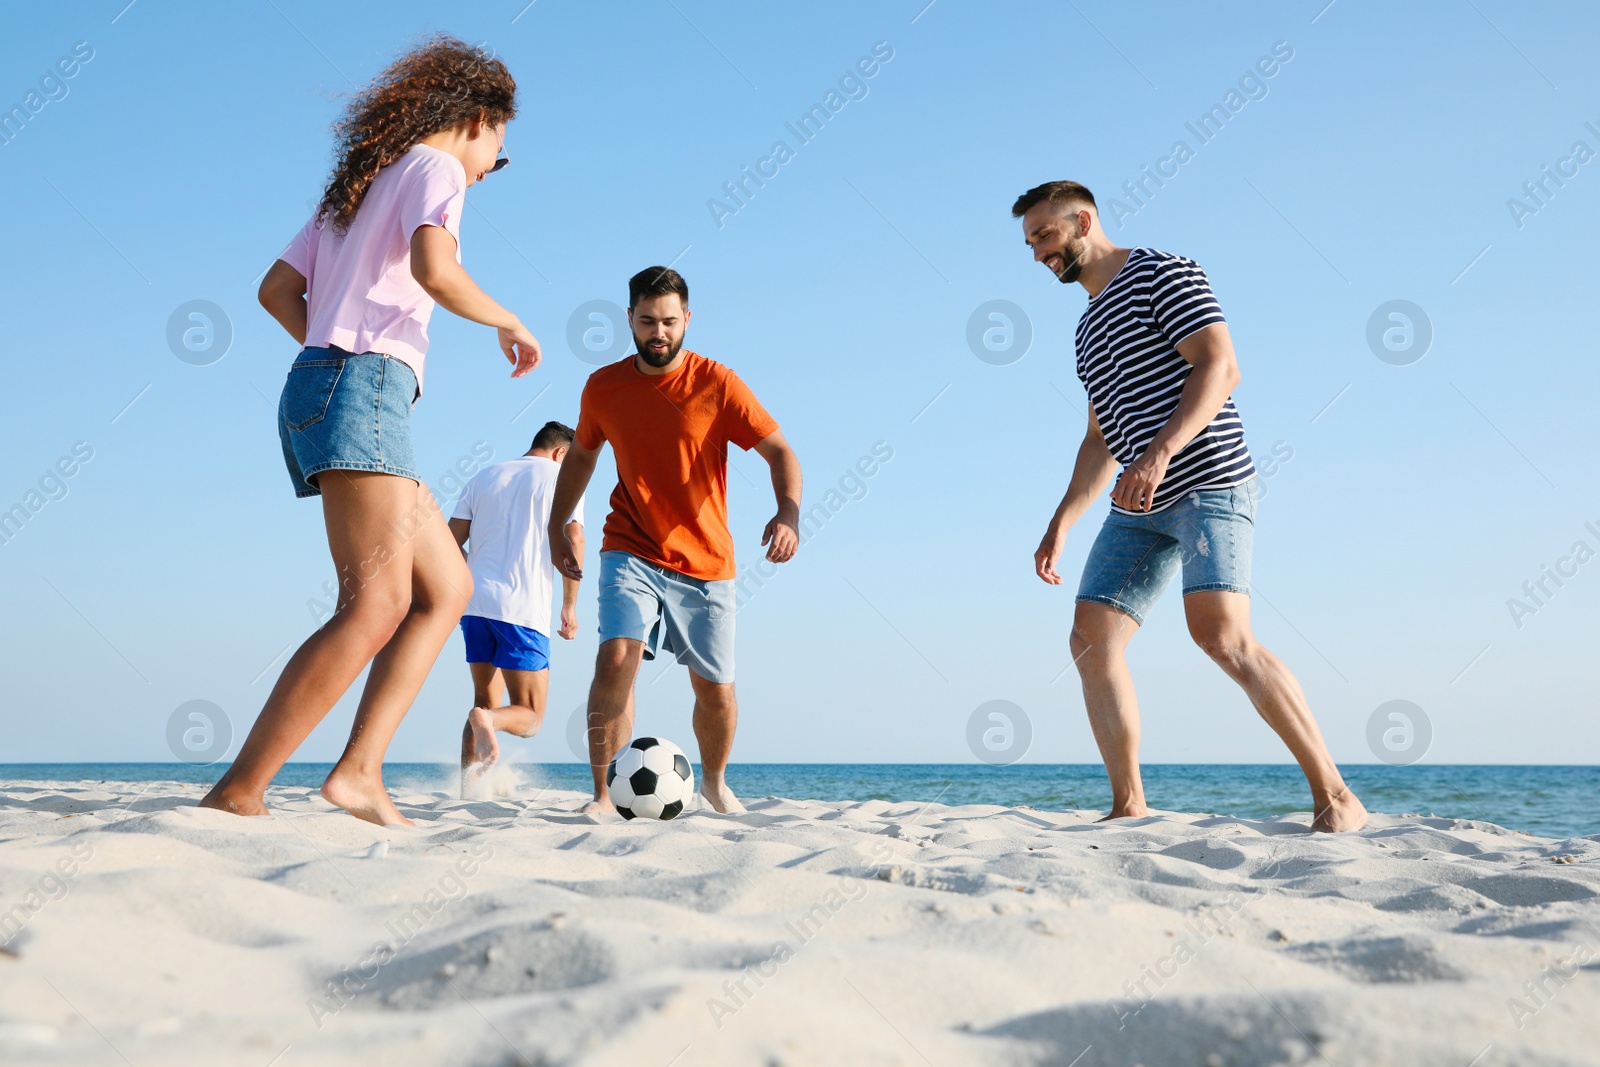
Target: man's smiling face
(658, 324)
(1059, 237)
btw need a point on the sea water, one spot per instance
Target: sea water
(1550, 801)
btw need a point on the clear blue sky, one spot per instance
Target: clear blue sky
(177, 161)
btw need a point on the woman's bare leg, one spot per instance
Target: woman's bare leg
(440, 585)
(362, 512)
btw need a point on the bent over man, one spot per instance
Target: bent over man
(1155, 356)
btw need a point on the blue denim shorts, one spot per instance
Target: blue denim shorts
(691, 618)
(1209, 533)
(342, 411)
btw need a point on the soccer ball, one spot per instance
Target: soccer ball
(650, 779)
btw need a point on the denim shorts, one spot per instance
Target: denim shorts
(1209, 533)
(342, 411)
(691, 618)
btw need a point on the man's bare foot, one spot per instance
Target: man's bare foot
(1341, 814)
(720, 797)
(1126, 811)
(598, 806)
(485, 748)
(364, 800)
(236, 803)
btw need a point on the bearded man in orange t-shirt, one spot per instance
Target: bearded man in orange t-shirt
(666, 562)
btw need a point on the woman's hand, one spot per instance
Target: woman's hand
(520, 347)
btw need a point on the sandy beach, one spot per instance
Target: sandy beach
(511, 931)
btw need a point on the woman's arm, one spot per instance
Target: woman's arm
(434, 266)
(283, 294)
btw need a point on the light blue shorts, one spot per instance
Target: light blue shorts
(689, 618)
(342, 411)
(1209, 533)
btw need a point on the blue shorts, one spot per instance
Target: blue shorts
(691, 618)
(1209, 533)
(341, 411)
(505, 644)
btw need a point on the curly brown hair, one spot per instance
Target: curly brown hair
(438, 85)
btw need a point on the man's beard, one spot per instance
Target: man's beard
(1071, 268)
(658, 359)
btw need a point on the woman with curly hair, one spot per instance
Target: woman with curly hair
(356, 287)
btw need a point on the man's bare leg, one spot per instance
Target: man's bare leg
(1099, 642)
(716, 714)
(522, 716)
(1219, 622)
(524, 713)
(488, 685)
(361, 511)
(441, 585)
(479, 747)
(610, 712)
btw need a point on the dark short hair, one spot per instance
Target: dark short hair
(1054, 193)
(657, 281)
(554, 435)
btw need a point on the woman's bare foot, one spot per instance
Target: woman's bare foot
(225, 799)
(363, 799)
(598, 806)
(1341, 814)
(485, 748)
(720, 797)
(1130, 810)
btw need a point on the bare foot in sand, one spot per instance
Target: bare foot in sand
(224, 799)
(720, 797)
(1130, 810)
(485, 748)
(598, 806)
(1341, 814)
(364, 800)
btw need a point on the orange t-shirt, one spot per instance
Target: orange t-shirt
(670, 437)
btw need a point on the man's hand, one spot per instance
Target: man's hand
(1136, 489)
(569, 621)
(521, 348)
(1049, 550)
(782, 537)
(563, 556)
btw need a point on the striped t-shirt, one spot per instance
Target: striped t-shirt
(1128, 361)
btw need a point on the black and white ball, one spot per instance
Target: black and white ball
(650, 779)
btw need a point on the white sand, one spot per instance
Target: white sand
(513, 931)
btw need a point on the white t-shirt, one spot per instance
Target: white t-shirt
(507, 550)
(360, 293)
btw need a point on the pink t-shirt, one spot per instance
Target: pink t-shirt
(360, 293)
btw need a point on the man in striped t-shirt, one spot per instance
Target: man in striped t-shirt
(1155, 357)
